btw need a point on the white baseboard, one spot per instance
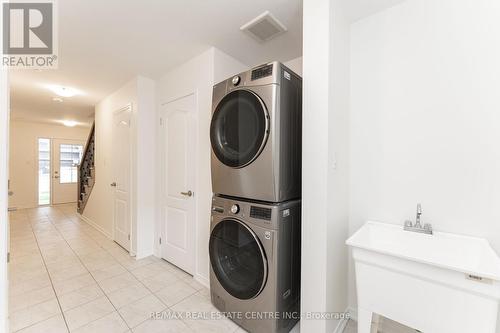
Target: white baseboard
(353, 312)
(343, 322)
(203, 280)
(95, 226)
(341, 326)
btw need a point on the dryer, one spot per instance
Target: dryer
(256, 134)
(254, 251)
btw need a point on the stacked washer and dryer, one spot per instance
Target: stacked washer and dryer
(254, 247)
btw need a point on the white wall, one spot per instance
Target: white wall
(324, 163)
(425, 120)
(139, 92)
(146, 167)
(198, 76)
(99, 208)
(4, 227)
(23, 157)
(295, 65)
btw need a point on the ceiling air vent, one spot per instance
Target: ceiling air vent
(264, 27)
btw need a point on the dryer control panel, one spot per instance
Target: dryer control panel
(261, 72)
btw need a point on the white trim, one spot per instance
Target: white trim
(162, 148)
(174, 99)
(343, 322)
(102, 231)
(95, 226)
(4, 198)
(132, 185)
(353, 312)
(202, 280)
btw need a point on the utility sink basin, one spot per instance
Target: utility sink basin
(440, 283)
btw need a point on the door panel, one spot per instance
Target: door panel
(66, 155)
(177, 225)
(177, 132)
(178, 166)
(121, 160)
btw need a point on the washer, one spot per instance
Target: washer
(254, 253)
(256, 134)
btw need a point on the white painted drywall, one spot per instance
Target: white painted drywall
(324, 163)
(146, 167)
(99, 208)
(425, 120)
(139, 92)
(295, 65)
(198, 76)
(23, 157)
(4, 171)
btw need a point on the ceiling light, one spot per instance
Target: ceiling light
(69, 123)
(57, 99)
(64, 91)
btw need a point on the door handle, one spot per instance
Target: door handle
(113, 184)
(188, 193)
(56, 177)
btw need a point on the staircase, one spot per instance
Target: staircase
(86, 172)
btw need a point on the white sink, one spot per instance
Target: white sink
(434, 283)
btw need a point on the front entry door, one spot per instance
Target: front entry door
(178, 169)
(66, 156)
(121, 161)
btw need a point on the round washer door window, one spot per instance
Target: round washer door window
(237, 259)
(239, 128)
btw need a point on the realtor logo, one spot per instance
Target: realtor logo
(29, 35)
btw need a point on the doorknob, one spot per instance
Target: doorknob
(188, 193)
(113, 184)
(56, 176)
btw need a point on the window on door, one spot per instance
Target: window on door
(43, 171)
(70, 156)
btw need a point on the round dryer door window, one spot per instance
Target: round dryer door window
(237, 259)
(239, 128)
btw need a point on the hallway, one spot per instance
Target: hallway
(65, 276)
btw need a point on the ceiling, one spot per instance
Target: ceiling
(104, 44)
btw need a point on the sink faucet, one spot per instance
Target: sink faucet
(419, 213)
(417, 227)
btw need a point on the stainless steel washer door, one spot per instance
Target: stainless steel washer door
(239, 128)
(238, 259)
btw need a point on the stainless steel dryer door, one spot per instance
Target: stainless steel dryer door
(238, 259)
(239, 128)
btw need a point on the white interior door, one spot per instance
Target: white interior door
(66, 155)
(121, 176)
(178, 169)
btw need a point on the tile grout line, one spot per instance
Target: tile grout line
(152, 293)
(93, 278)
(118, 262)
(48, 274)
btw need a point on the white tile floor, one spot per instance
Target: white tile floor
(65, 276)
(385, 326)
